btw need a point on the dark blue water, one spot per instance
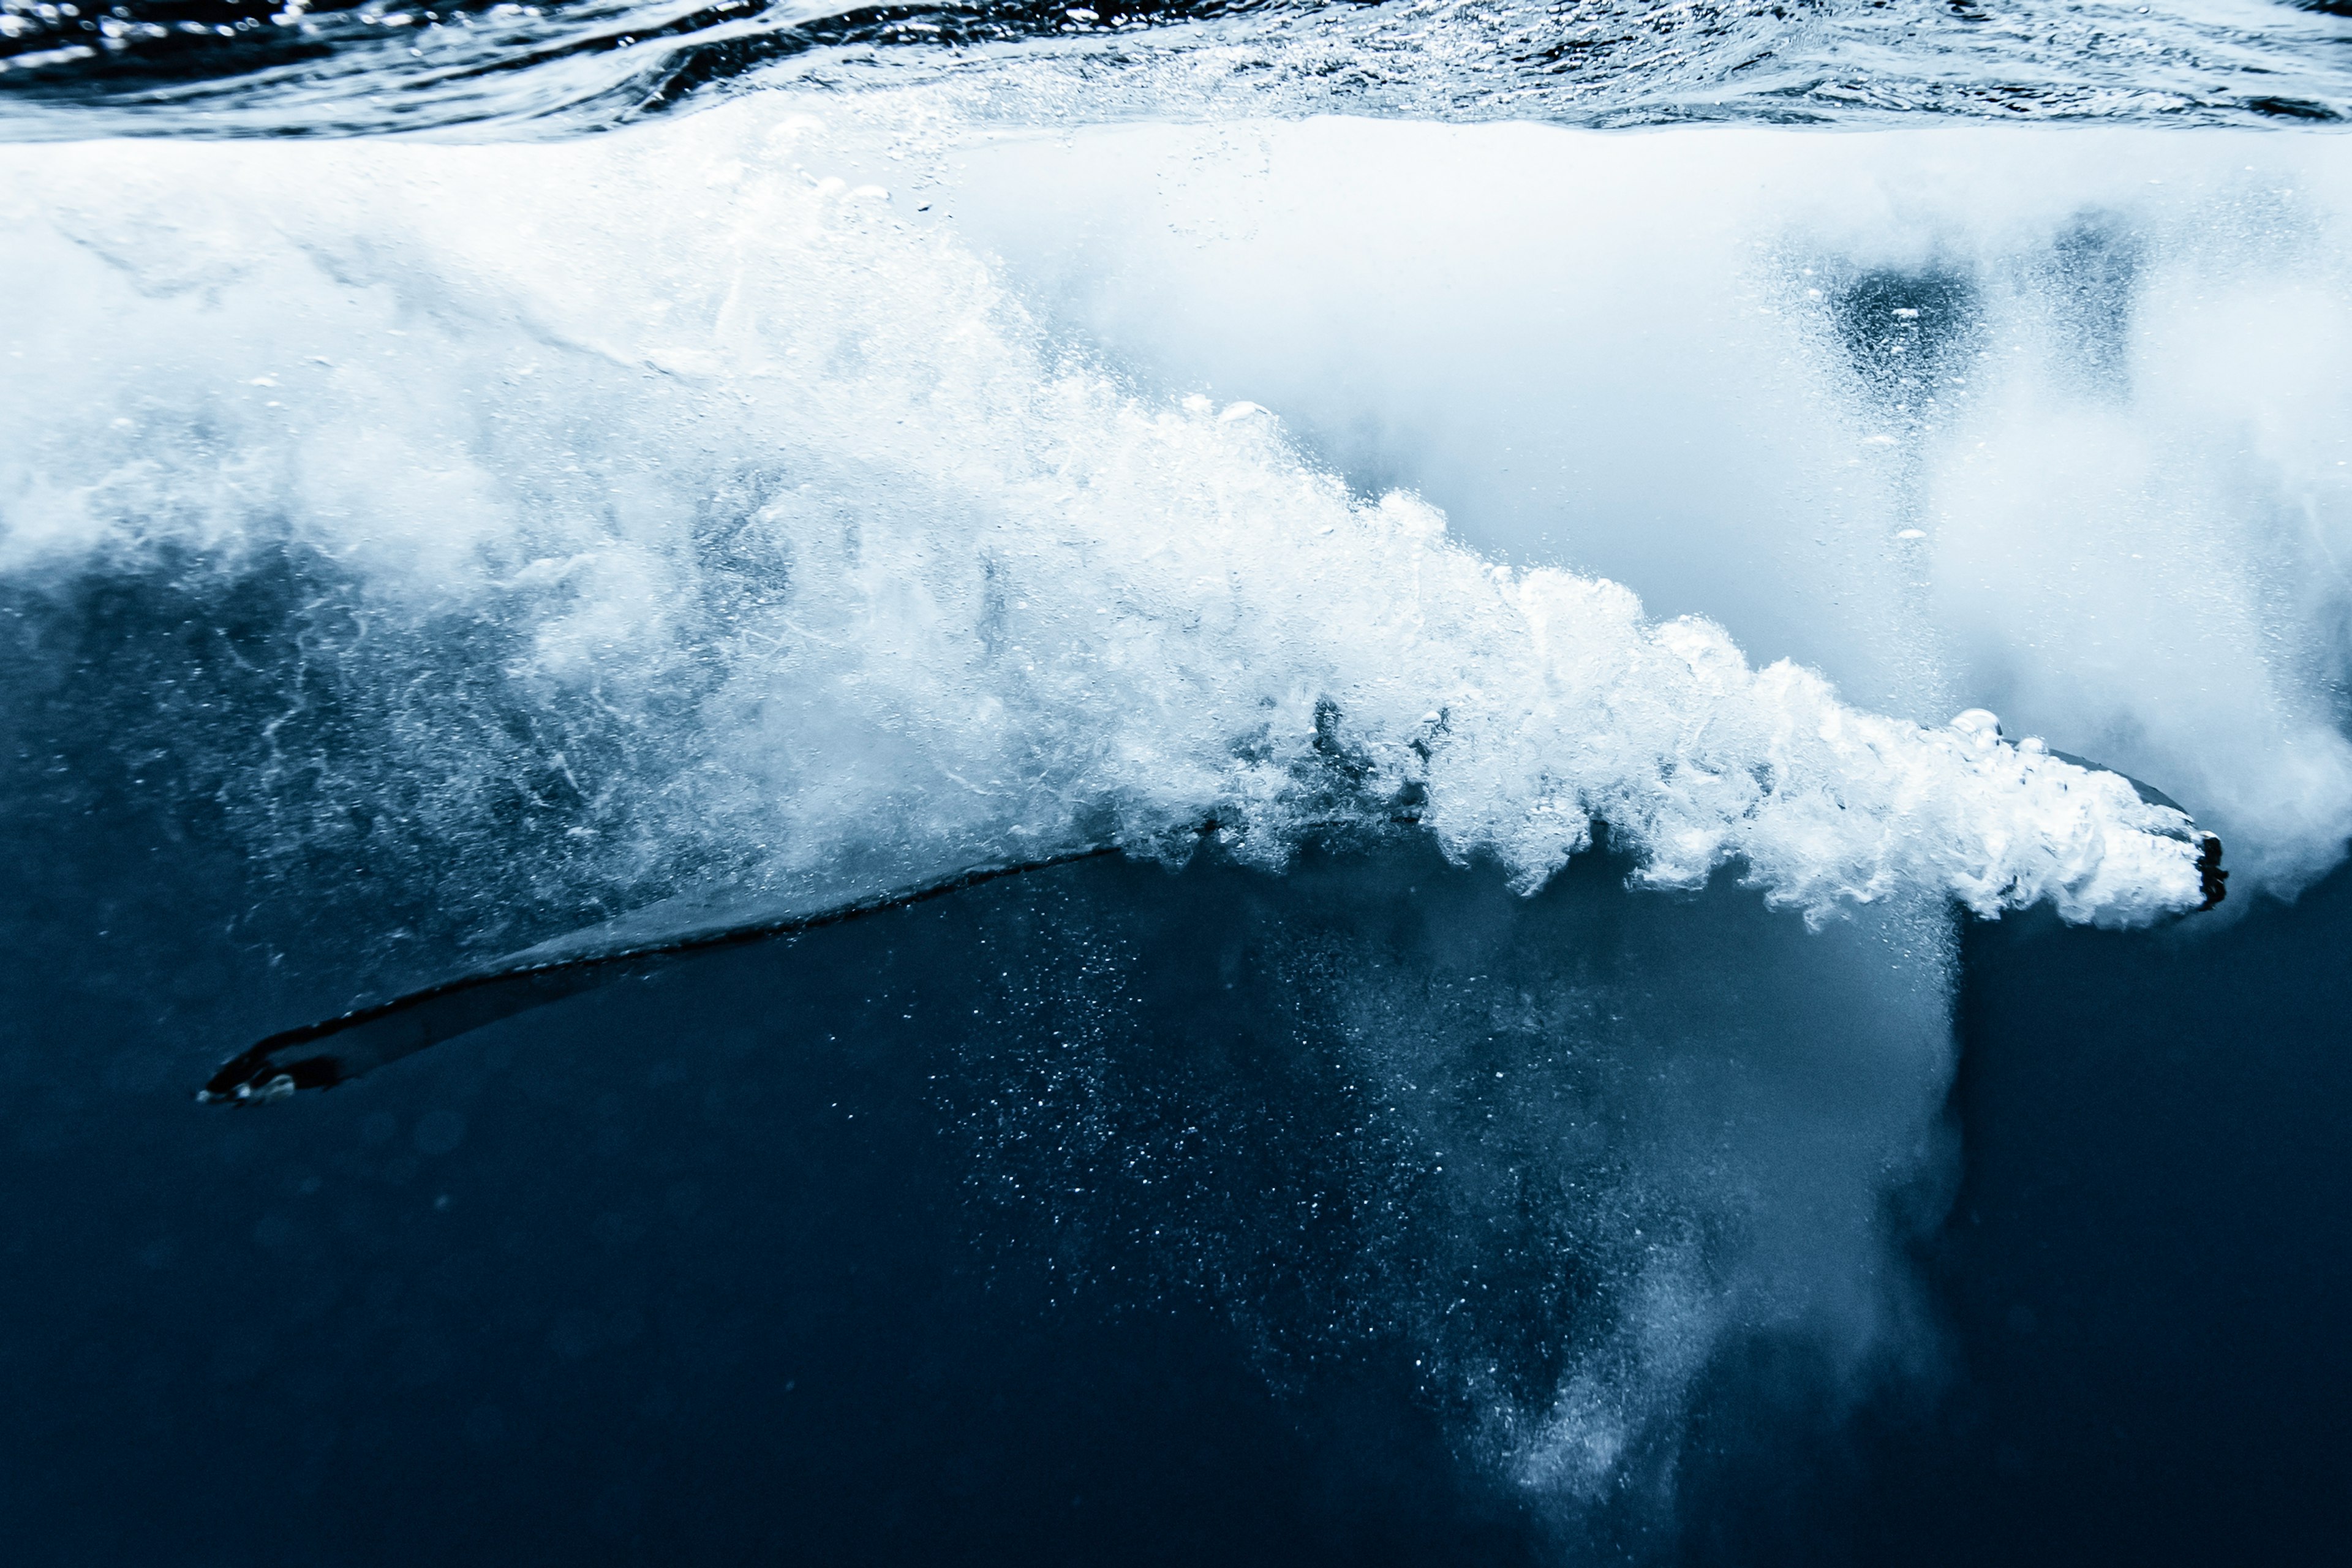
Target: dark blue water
(1033, 1224)
(2138, 1276)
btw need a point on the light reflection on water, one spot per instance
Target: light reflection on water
(205, 68)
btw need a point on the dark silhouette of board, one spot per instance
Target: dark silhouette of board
(338, 1050)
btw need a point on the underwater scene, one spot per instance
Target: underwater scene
(1374, 782)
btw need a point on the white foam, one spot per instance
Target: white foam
(794, 491)
(2126, 527)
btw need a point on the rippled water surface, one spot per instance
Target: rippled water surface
(195, 67)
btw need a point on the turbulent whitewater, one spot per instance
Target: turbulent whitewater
(797, 498)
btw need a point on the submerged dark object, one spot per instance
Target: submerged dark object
(339, 1049)
(2211, 878)
(350, 1045)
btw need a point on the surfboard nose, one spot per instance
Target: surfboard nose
(263, 1075)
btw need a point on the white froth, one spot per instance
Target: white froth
(795, 488)
(2115, 504)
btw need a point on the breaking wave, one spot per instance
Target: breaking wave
(795, 510)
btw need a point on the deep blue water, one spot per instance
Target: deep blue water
(771, 1257)
(2139, 1274)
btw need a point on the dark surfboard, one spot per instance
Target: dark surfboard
(338, 1050)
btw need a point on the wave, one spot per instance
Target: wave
(750, 531)
(205, 68)
(492, 540)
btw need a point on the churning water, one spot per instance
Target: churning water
(1427, 556)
